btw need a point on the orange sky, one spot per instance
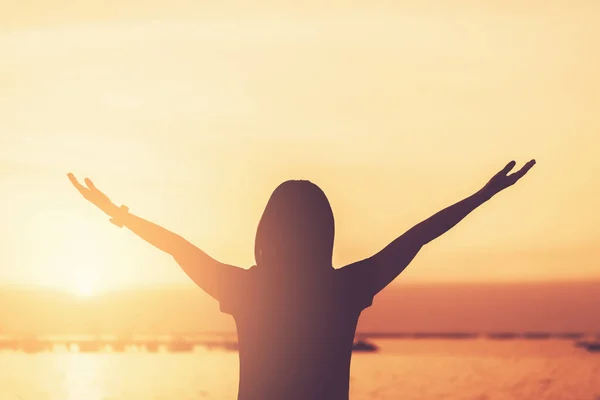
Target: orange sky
(193, 117)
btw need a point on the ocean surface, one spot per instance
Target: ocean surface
(479, 369)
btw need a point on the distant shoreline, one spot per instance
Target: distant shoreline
(227, 341)
(197, 336)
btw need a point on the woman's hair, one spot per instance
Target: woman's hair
(296, 229)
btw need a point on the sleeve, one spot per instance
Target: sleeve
(234, 290)
(362, 299)
(358, 287)
(365, 300)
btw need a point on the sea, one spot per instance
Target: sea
(402, 369)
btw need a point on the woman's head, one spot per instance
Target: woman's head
(296, 228)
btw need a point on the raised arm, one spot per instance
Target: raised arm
(205, 271)
(382, 268)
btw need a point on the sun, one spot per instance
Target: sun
(85, 289)
(83, 285)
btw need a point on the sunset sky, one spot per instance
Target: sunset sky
(192, 116)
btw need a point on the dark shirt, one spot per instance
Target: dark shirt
(295, 334)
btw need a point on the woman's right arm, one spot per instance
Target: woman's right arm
(382, 268)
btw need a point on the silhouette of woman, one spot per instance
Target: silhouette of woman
(295, 314)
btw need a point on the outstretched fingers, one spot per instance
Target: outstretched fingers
(513, 178)
(508, 168)
(91, 185)
(82, 189)
(95, 191)
(520, 173)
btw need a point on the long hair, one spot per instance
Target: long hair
(296, 229)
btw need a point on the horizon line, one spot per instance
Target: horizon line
(192, 286)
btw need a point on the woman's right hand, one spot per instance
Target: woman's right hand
(94, 196)
(504, 179)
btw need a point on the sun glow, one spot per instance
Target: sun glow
(84, 286)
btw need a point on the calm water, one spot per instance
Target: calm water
(404, 369)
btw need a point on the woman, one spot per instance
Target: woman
(295, 314)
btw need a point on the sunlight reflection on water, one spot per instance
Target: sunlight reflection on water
(411, 370)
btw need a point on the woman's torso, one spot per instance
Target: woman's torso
(295, 339)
